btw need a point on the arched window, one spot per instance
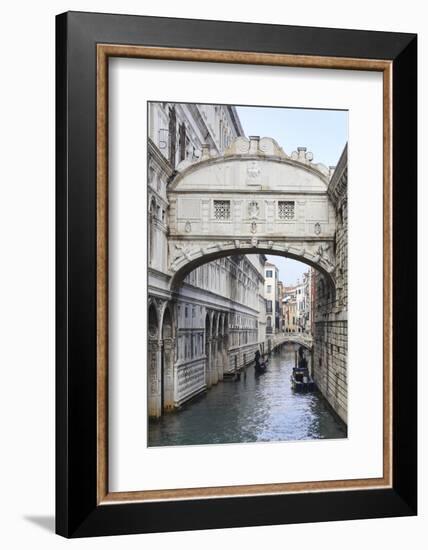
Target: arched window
(167, 325)
(153, 322)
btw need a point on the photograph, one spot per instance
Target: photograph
(247, 274)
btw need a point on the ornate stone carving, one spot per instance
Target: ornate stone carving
(253, 227)
(153, 331)
(253, 170)
(318, 253)
(322, 250)
(269, 146)
(302, 155)
(253, 210)
(255, 146)
(182, 250)
(238, 147)
(188, 227)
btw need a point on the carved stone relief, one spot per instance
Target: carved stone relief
(253, 210)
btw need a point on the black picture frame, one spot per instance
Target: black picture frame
(77, 511)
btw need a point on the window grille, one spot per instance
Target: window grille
(222, 210)
(286, 210)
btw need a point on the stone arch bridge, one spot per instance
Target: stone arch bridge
(298, 338)
(253, 199)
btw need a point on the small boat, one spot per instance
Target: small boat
(301, 381)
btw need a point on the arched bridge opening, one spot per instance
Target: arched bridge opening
(198, 257)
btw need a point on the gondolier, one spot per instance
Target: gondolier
(259, 367)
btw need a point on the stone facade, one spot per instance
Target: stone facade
(272, 298)
(297, 305)
(214, 321)
(330, 324)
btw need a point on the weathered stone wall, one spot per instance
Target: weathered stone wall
(330, 325)
(190, 380)
(330, 362)
(240, 358)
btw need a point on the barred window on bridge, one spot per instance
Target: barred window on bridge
(222, 210)
(286, 210)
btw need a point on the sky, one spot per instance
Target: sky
(323, 132)
(289, 270)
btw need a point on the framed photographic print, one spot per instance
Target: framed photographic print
(236, 239)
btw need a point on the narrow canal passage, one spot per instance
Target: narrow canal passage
(263, 408)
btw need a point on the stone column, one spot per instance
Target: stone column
(168, 374)
(208, 362)
(214, 362)
(220, 367)
(225, 355)
(154, 374)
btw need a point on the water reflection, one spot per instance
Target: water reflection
(263, 408)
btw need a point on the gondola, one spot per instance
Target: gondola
(301, 381)
(260, 368)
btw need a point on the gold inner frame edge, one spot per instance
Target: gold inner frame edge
(104, 52)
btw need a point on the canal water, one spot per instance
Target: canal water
(262, 408)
